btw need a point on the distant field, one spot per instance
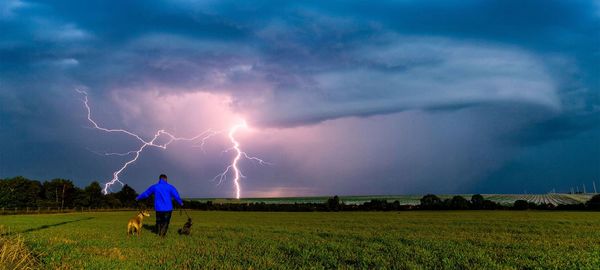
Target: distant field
(551, 198)
(261, 240)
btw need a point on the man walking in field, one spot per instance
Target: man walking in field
(163, 192)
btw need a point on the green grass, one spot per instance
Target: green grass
(260, 240)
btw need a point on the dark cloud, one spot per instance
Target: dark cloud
(530, 68)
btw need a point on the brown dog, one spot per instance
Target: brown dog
(135, 223)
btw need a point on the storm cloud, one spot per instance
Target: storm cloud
(348, 97)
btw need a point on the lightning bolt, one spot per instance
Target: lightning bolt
(233, 168)
(202, 138)
(144, 144)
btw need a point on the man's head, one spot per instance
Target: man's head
(163, 177)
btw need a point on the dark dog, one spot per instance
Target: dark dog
(187, 228)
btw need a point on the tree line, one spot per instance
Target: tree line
(478, 202)
(20, 192)
(427, 202)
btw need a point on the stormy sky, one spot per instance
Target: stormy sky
(342, 97)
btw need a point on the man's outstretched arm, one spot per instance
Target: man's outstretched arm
(146, 193)
(175, 195)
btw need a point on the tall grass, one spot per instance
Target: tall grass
(318, 240)
(14, 254)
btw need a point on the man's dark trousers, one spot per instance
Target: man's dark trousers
(163, 218)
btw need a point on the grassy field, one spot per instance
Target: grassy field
(259, 240)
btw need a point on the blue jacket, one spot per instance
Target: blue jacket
(163, 192)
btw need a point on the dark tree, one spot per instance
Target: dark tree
(94, 195)
(490, 205)
(127, 196)
(521, 205)
(477, 201)
(376, 204)
(19, 192)
(112, 201)
(58, 193)
(333, 204)
(459, 203)
(593, 203)
(80, 198)
(532, 205)
(431, 201)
